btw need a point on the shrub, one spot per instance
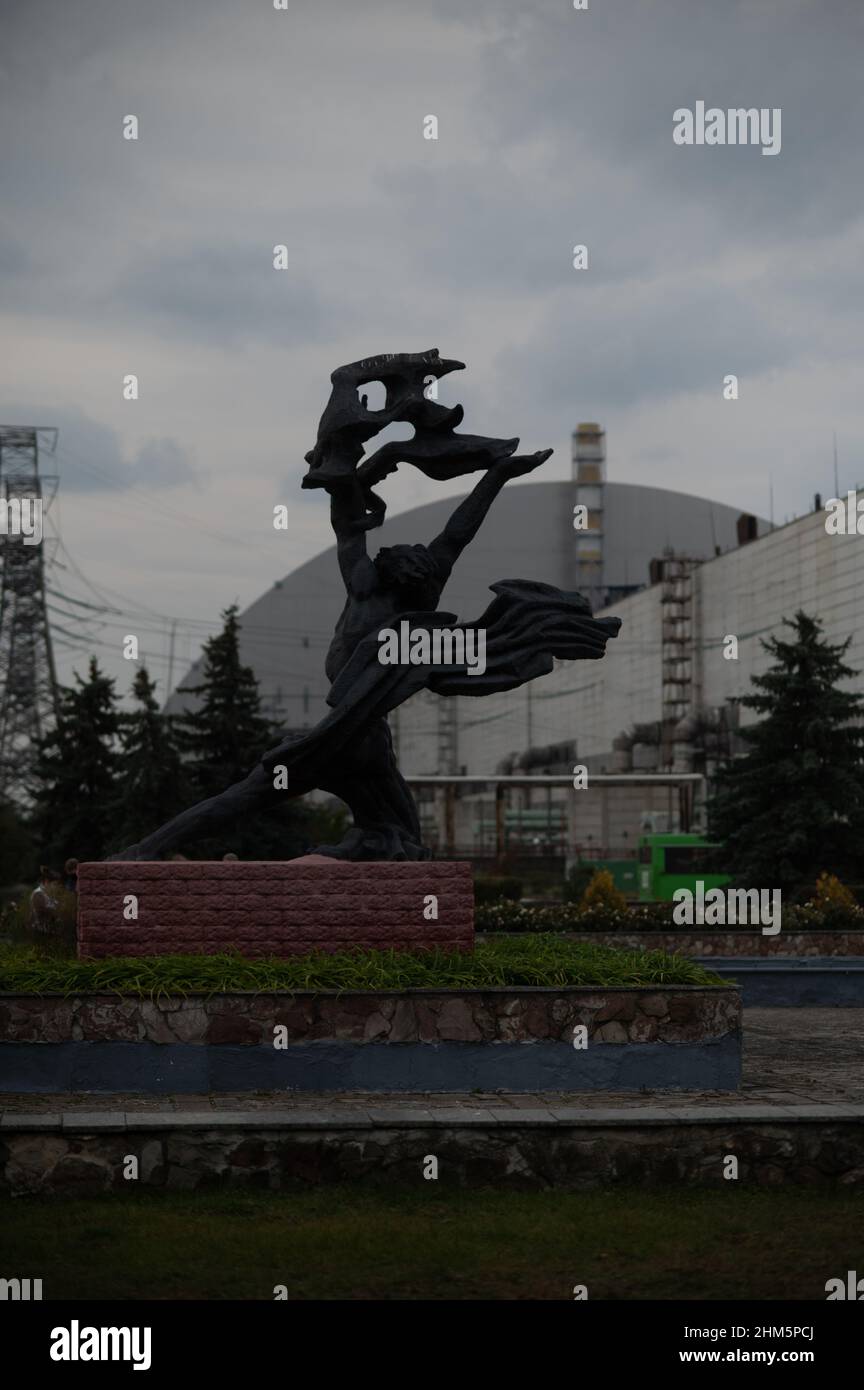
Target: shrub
(602, 893)
(577, 881)
(503, 916)
(830, 893)
(501, 889)
(567, 917)
(16, 916)
(839, 916)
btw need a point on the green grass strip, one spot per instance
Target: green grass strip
(531, 960)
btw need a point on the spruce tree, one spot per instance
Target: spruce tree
(77, 773)
(793, 804)
(225, 734)
(17, 858)
(153, 783)
(222, 739)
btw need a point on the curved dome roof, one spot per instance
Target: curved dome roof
(528, 534)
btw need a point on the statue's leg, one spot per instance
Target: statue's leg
(386, 824)
(256, 792)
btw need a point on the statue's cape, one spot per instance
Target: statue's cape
(527, 625)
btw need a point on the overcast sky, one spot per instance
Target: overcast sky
(305, 127)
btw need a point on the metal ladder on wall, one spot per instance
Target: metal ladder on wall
(676, 651)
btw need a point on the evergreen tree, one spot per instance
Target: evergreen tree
(17, 857)
(225, 735)
(223, 738)
(153, 782)
(793, 805)
(77, 773)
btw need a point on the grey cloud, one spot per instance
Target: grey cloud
(556, 127)
(611, 78)
(162, 463)
(683, 339)
(90, 457)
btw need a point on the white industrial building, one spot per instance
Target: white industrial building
(683, 573)
(665, 676)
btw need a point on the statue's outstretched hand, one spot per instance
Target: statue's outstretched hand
(519, 464)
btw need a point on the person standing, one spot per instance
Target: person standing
(43, 902)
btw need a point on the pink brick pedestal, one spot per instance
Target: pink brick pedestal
(272, 909)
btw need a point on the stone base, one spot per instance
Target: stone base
(509, 1039)
(272, 909)
(72, 1154)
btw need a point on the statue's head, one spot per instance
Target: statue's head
(411, 573)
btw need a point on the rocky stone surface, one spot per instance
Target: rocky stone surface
(792, 1057)
(273, 908)
(611, 1016)
(529, 1154)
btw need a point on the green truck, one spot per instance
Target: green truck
(665, 862)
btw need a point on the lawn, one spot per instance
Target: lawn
(433, 1243)
(526, 960)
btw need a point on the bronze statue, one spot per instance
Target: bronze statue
(350, 753)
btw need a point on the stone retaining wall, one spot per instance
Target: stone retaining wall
(682, 1013)
(82, 1156)
(520, 1039)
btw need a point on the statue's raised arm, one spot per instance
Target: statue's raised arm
(350, 521)
(471, 512)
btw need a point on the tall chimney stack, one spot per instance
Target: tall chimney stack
(589, 478)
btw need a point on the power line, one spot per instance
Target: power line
(173, 514)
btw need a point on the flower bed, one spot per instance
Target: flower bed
(653, 917)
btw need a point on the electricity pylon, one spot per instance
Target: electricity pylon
(28, 683)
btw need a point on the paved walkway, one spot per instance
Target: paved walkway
(798, 1063)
